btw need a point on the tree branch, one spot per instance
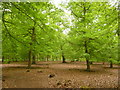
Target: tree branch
(8, 30)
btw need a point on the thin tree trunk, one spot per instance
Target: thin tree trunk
(2, 59)
(111, 64)
(29, 61)
(47, 58)
(63, 59)
(33, 38)
(88, 65)
(86, 50)
(33, 59)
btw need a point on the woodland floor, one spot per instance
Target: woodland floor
(67, 75)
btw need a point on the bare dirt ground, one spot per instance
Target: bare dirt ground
(58, 75)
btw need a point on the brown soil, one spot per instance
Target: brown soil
(58, 75)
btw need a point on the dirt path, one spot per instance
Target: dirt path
(58, 75)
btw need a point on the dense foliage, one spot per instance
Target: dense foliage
(35, 31)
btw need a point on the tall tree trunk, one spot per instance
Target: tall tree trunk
(85, 45)
(111, 64)
(87, 59)
(29, 61)
(33, 38)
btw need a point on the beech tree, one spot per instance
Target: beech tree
(30, 25)
(91, 23)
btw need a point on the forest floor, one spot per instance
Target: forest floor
(54, 74)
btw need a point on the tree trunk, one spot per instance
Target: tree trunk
(2, 59)
(88, 65)
(33, 39)
(29, 61)
(111, 64)
(87, 59)
(85, 45)
(47, 58)
(63, 58)
(33, 59)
